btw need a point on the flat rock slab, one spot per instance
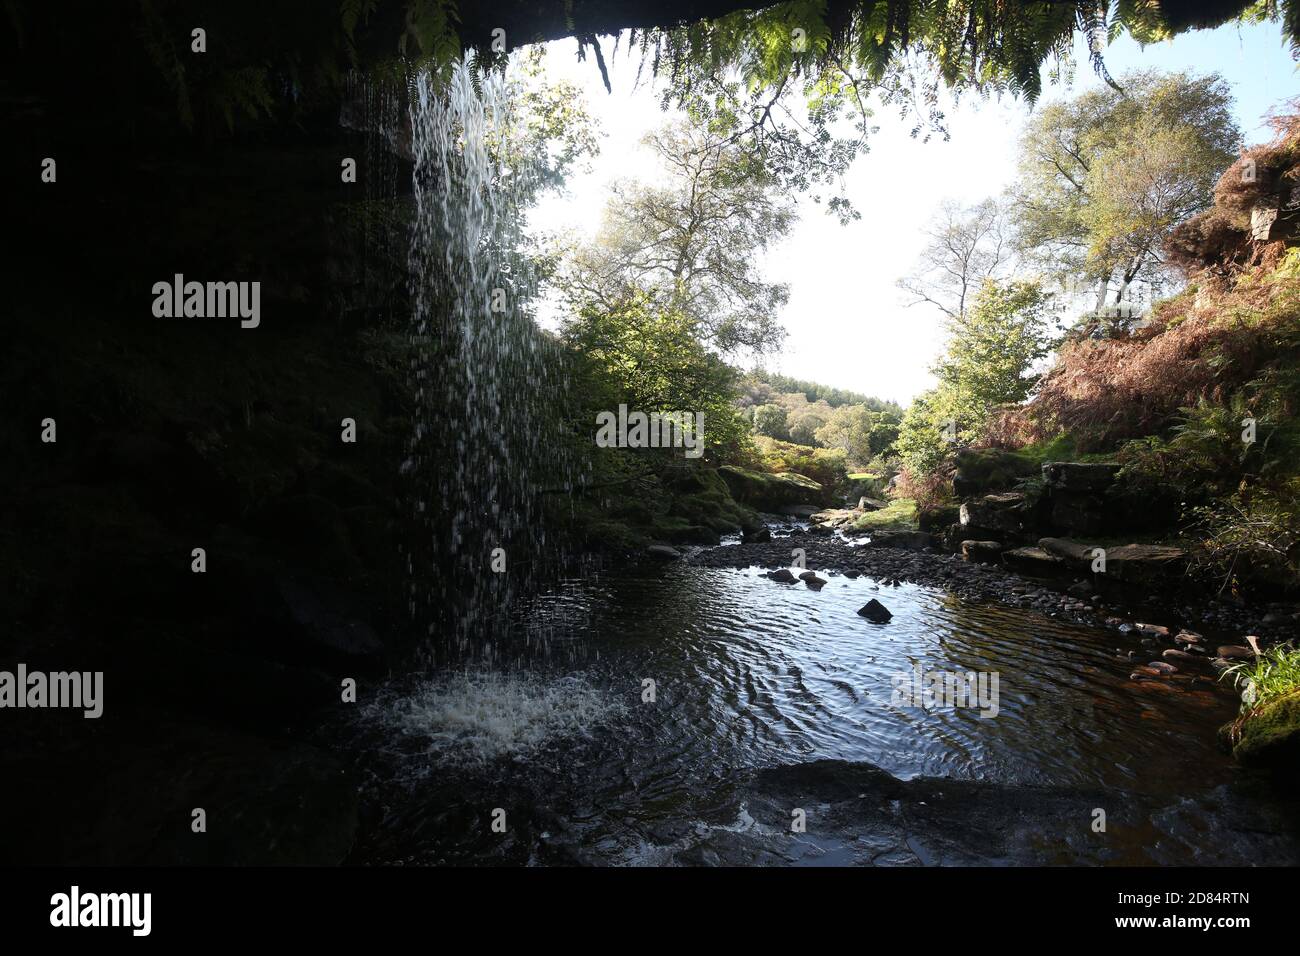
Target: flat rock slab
(1034, 561)
(1145, 563)
(835, 517)
(1067, 549)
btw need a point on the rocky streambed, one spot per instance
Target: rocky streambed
(1184, 641)
(834, 555)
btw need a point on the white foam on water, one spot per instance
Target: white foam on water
(474, 716)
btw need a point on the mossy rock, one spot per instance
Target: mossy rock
(937, 518)
(682, 531)
(771, 491)
(982, 470)
(1270, 736)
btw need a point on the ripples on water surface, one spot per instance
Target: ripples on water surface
(752, 677)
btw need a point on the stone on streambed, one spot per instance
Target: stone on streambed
(875, 612)
(1235, 652)
(756, 536)
(1146, 672)
(1156, 685)
(663, 552)
(784, 575)
(981, 552)
(1183, 659)
(812, 580)
(1151, 630)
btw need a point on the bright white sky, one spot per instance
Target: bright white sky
(848, 324)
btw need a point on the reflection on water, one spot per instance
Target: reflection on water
(751, 678)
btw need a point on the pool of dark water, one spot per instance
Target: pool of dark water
(676, 714)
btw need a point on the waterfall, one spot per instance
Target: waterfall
(488, 383)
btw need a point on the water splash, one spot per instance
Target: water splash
(489, 384)
(473, 717)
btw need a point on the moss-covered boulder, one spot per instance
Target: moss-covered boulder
(1269, 736)
(769, 492)
(702, 497)
(982, 470)
(937, 517)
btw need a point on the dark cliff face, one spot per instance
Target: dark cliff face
(179, 433)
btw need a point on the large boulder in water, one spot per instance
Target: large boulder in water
(839, 519)
(875, 612)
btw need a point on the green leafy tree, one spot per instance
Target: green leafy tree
(1106, 175)
(993, 348)
(691, 243)
(638, 355)
(927, 431)
(862, 434)
(769, 420)
(989, 360)
(770, 384)
(805, 418)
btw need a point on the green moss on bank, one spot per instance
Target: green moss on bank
(899, 515)
(1270, 735)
